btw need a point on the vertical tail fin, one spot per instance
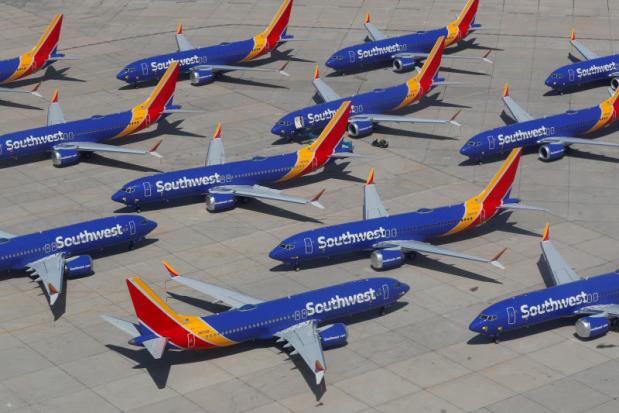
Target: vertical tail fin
(333, 133)
(48, 41)
(164, 91)
(278, 25)
(466, 18)
(432, 64)
(614, 101)
(492, 196)
(152, 312)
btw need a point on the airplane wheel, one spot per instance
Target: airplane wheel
(138, 209)
(383, 310)
(496, 340)
(131, 245)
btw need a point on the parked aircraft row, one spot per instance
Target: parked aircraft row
(307, 322)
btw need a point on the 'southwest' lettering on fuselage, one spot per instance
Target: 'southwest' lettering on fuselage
(184, 182)
(352, 238)
(86, 236)
(337, 302)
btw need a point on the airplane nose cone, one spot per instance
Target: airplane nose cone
(120, 197)
(548, 81)
(151, 225)
(404, 288)
(465, 150)
(121, 76)
(276, 254)
(330, 63)
(477, 325)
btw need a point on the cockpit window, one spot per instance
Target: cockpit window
(287, 247)
(129, 189)
(486, 317)
(556, 75)
(474, 143)
(398, 285)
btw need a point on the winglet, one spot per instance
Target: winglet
(35, 88)
(452, 120)
(55, 96)
(153, 151)
(367, 19)
(319, 370)
(173, 273)
(314, 200)
(485, 56)
(506, 90)
(179, 30)
(282, 70)
(217, 133)
(495, 259)
(370, 180)
(316, 73)
(52, 289)
(573, 35)
(546, 235)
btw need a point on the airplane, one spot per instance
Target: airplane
(368, 108)
(404, 52)
(595, 300)
(56, 253)
(67, 140)
(43, 54)
(299, 320)
(593, 68)
(203, 64)
(225, 183)
(391, 237)
(551, 134)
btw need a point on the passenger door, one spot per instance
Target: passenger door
(309, 246)
(351, 56)
(571, 74)
(132, 227)
(147, 190)
(511, 315)
(491, 143)
(144, 69)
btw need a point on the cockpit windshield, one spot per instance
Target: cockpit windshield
(287, 247)
(129, 189)
(487, 317)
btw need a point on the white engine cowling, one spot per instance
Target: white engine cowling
(201, 77)
(65, 157)
(386, 258)
(360, 128)
(589, 327)
(219, 202)
(403, 64)
(551, 151)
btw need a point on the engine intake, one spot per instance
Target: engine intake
(201, 77)
(333, 335)
(360, 128)
(219, 202)
(551, 151)
(403, 64)
(386, 258)
(614, 83)
(65, 157)
(589, 327)
(78, 266)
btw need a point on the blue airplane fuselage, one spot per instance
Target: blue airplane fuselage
(584, 72)
(381, 52)
(502, 140)
(71, 240)
(547, 304)
(152, 68)
(7, 68)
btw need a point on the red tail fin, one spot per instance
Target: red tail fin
(333, 133)
(278, 25)
(492, 196)
(431, 65)
(48, 41)
(150, 309)
(164, 91)
(466, 17)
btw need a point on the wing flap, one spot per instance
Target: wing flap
(305, 340)
(257, 191)
(102, 147)
(372, 205)
(50, 270)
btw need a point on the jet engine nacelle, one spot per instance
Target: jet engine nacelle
(589, 327)
(360, 128)
(65, 157)
(551, 151)
(219, 202)
(333, 335)
(386, 258)
(403, 64)
(614, 83)
(78, 266)
(201, 77)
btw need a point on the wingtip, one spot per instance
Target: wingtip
(546, 235)
(282, 70)
(318, 195)
(55, 96)
(35, 89)
(319, 370)
(179, 29)
(485, 56)
(453, 121)
(367, 18)
(573, 35)
(506, 90)
(217, 133)
(316, 72)
(153, 150)
(495, 259)
(173, 273)
(370, 179)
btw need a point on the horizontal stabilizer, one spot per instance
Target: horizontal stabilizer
(156, 346)
(122, 325)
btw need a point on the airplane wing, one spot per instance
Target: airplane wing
(582, 49)
(325, 91)
(101, 147)
(566, 140)
(230, 298)
(304, 338)
(216, 153)
(560, 270)
(33, 91)
(419, 55)
(181, 41)
(229, 68)
(6, 235)
(258, 191)
(373, 32)
(514, 108)
(50, 271)
(424, 247)
(372, 205)
(608, 310)
(54, 112)
(378, 118)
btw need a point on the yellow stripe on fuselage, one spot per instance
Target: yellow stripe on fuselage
(193, 324)
(25, 63)
(472, 209)
(139, 116)
(414, 90)
(452, 34)
(305, 156)
(607, 110)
